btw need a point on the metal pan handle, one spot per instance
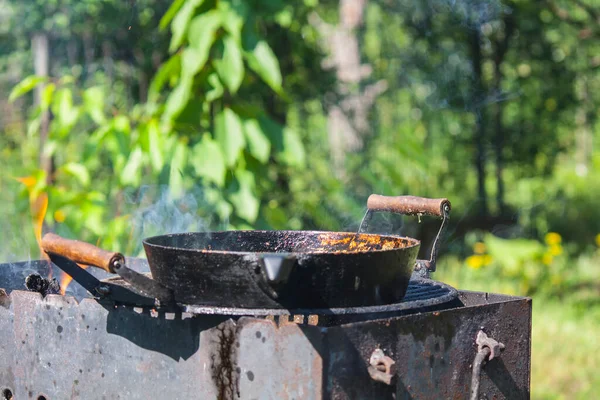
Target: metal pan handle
(412, 205)
(409, 205)
(111, 262)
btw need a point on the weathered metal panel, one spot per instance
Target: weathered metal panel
(64, 350)
(60, 349)
(434, 352)
(279, 362)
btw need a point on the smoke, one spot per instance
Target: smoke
(441, 74)
(470, 13)
(156, 211)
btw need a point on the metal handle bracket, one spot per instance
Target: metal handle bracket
(411, 205)
(381, 367)
(487, 350)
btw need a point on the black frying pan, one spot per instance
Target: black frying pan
(273, 269)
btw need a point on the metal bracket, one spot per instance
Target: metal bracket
(145, 285)
(423, 268)
(382, 368)
(487, 350)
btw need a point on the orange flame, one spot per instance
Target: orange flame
(66, 280)
(38, 205)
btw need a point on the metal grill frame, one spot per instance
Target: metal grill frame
(60, 349)
(422, 295)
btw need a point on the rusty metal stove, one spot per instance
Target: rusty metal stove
(439, 343)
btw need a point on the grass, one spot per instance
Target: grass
(565, 350)
(565, 335)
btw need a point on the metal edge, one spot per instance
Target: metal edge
(380, 309)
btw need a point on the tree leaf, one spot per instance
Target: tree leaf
(25, 86)
(229, 135)
(233, 14)
(274, 132)
(217, 88)
(33, 127)
(156, 148)
(258, 142)
(93, 99)
(178, 162)
(178, 98)
(121, 123)
(293, 149)
(50, 147)
(171, 12)
(166, 71)
(231, 67)
(201, 34)
(79, 171)
(192, 61)
(66, 114)
(244, 199)
(181, 21)
(208, 161)
(130, 175)
(263, 61)
(47, 96)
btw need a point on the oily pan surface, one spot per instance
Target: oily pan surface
(282, 242)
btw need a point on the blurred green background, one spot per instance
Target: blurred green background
(121, 119)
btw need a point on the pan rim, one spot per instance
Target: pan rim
(412, 243)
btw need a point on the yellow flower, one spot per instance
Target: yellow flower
(552, 238)
(474, 262)
(479, 248)
(556, 250)
(60, 216)
(487, 259)
(598, 240)
(547, 259)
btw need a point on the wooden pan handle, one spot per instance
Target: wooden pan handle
(81, 252)
(408, 205)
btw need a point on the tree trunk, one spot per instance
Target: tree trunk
(72, 52)
(584, 133)
(107, 60)
(500, 53)
(89, 52)
(478, 109)
(41, 54)
(142, 76)
(348, 119)
(499, 149)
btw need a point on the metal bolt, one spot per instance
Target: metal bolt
(103, 290)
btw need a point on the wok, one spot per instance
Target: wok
(274, 269)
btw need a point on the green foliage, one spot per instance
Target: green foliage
(218, 108)
(207, 134)
(25, 86)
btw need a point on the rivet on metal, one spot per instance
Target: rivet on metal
(103, 290)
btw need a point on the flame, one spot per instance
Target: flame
(38, 205)
(39, 209)
(66, 280)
